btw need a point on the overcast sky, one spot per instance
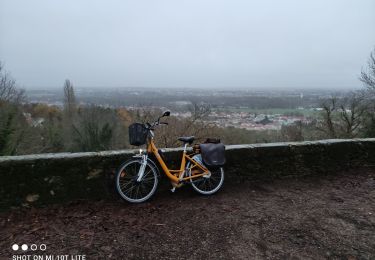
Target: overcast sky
(193, 43)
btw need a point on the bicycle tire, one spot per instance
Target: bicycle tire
(131, 190)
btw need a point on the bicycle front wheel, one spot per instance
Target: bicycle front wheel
(128, 186)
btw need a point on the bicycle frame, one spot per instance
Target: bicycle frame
(176, 176)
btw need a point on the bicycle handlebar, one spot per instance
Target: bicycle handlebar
(157, 122)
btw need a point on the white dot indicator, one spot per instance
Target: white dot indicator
(24, 247)
(15, 247)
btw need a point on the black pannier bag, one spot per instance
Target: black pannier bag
(213, 154)
(137, 134)
(212, 140)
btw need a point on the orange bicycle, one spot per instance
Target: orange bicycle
(137, 178)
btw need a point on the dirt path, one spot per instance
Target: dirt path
(312, 218)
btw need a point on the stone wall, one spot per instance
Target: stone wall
(55, 178)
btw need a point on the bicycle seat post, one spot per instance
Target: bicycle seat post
(185, 147)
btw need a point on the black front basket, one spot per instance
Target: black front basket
(137, 134)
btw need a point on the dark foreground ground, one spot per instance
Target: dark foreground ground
(329, 217)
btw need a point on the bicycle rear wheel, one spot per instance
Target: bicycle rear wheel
(132, 190)
(208, 184)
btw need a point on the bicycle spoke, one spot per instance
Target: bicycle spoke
(125, 185)
(147, 179)
(124, 180)
(129, 189)
(137, 192)
(141, 190)
(204, 183)
(210, 183)
(144, 175)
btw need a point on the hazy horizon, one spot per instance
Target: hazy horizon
(187, 44)
(197, 89)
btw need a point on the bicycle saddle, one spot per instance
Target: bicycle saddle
(187, 139)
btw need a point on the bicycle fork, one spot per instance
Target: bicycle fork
(141, 171)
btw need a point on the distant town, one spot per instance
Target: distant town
(246, 109)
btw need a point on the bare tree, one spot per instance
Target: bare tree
(69, 98)
(368, 76)
(94, 131)
(194, 125)
(199, 111)
(8, 89)
(11, 119)
(327, 125)
(344, 118)
(352, 110)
